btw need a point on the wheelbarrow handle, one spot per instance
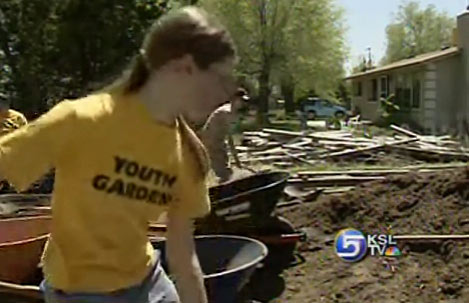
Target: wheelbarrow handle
(21, 290)
(283, 238)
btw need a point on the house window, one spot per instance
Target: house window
(384, 86)
(374, 90)
(416, 93)
(358, 89)
(408, 89)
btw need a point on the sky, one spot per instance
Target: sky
(366, 21)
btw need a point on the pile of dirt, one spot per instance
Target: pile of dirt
(436, 203)
(413, 203)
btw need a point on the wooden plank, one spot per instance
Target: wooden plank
(355, 172)
(302, 143)
(435, 167)
(299, 158)
(367, 149)
(330, 138)
(271, 158)
(300, 148)
(334, 181)
(379, 172)
(282, 132)
(338, 190)
(421, 152)
(341, 143)
(404, 131)
(430, 146)
(256, 134)
(276, 150)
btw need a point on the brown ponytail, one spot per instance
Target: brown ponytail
(195, 147)
(172, 36)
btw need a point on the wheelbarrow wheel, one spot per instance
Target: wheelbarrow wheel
(281, 254)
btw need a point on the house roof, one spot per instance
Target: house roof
(420, 59)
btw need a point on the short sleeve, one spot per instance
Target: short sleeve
(31, 151)
(192, 194)
(192, 199)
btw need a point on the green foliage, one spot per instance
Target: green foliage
(360, 65)
(388, 107)
(391, 113)
(298, 45)
(55, 49)
(415, 31)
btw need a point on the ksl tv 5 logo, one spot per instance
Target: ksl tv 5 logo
(352, 245)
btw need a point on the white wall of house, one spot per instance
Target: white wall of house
(387, 84)
(463, 43)
(368, 100)
(448, 93)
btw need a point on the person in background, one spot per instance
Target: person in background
(124, 156)
(217, 134)
(303, 119)
(10, 119)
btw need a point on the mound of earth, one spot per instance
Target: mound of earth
(431, 271)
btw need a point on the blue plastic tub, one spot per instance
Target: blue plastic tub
(227, 262)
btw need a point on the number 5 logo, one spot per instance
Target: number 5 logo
(350, 245)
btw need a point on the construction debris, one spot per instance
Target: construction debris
(287, 149)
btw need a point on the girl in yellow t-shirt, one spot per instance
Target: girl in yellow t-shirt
(123, 157)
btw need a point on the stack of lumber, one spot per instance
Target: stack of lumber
(333, 182)
(286, 148)
(310, 150)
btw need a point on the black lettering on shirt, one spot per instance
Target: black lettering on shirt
(153, 196)
(157, 174)
(145, 173)
(130, 190)
(169, 180)
(120, 162)
(100, 182)
(165, 199)
(142, 193)
(117, 187)
(131, 169)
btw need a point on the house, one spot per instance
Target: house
(432, 90)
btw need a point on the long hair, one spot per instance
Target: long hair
(190, 31)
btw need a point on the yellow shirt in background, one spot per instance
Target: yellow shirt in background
(116, 169)
(10, 121)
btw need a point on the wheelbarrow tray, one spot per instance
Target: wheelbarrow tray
(254, 196)
(227, 262)
(21, 243)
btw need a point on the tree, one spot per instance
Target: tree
(55, 49)
(415, 31)
(298, 45)
(360, 65)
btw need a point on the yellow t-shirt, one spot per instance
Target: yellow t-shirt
(10, 121)
(116, 169)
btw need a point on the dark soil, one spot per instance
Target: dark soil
(411, 204)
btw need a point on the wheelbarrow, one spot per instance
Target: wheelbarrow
(226, 261)
(246, 207)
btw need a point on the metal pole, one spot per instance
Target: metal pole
(430, 237)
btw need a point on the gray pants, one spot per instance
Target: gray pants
(220, 164)
(155, 288)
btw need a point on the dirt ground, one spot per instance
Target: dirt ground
(412, 204)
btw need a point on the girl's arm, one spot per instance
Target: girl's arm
(29, 152)
(183, 261)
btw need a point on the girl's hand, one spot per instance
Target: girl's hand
(183, 261)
